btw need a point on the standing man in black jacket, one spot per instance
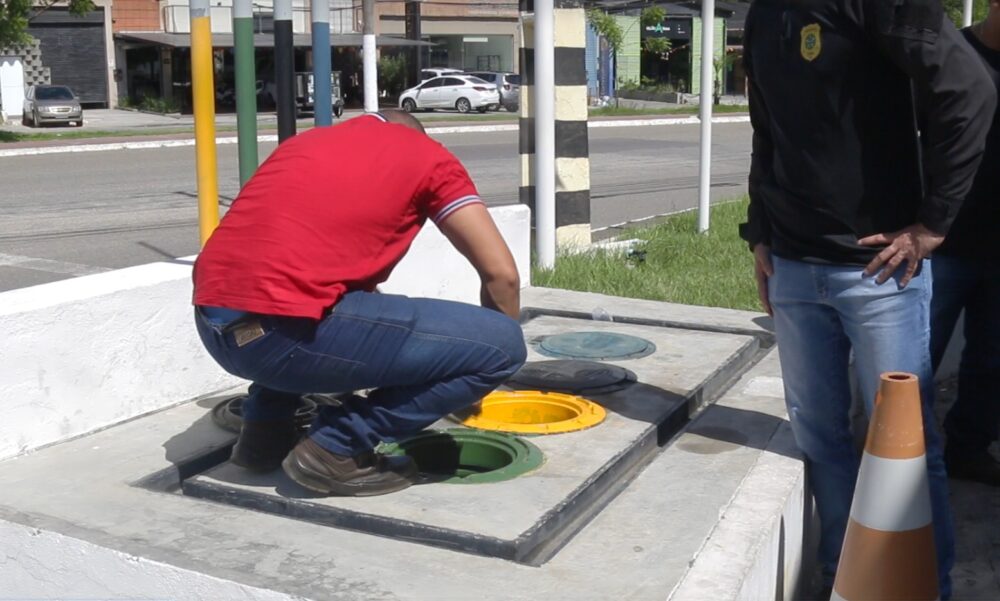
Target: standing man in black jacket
(846, 202)
(967, 276)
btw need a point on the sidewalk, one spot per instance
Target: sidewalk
(976, 576)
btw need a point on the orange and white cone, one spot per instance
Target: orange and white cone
(888, 551)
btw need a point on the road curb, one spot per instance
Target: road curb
(444, 130)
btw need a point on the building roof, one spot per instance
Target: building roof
(260, 40)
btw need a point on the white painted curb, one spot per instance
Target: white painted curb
(459, 129)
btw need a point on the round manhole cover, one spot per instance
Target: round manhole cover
(228, 414)
(460, 456)
(571, 376)
(532, 412)
(595, 345)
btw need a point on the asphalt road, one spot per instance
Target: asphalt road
(72, 214)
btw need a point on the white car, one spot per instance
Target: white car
(460, 92)
(433, 72)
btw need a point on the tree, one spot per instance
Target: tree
(608, 28)
(954, 8)
(651, 17)
(16, 14)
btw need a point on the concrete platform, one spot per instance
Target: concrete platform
(715, 512)
(528, 518)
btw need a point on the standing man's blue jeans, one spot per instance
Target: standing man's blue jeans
(424, 358)
(821, 313)
(973, 285)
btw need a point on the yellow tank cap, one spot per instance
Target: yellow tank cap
(533, 412)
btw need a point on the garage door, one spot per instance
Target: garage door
(73, 48)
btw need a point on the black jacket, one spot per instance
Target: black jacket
(971, 235)
(836, 156)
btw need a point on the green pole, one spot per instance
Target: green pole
(246, 87)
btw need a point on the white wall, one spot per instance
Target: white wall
(85, 353)
(11, 87)
(434, 269)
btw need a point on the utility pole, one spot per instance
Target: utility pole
(413, 33)
(284, 68)
(368, 56)
(545, 134)
(203, 96)
(246, 87)
(705, 112)
(322, 95)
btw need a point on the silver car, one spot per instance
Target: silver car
(51, 104)
(508, 86)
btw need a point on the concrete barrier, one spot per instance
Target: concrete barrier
(82, 354)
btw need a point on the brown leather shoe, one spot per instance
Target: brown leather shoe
(262, 445)
(364, 475)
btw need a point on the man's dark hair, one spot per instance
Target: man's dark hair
(402, 118)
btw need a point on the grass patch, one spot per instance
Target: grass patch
(612, 111)
(679, 265)
(83, 133)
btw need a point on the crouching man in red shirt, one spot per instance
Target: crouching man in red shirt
(285, 297)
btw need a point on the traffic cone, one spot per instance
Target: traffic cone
(888, 551)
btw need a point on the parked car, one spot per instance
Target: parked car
(51, 104)
(433, 72)
(304, 90)
(508, 85)
(461, 92)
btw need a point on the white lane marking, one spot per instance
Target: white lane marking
(49, 265)
(892, 494)
(461, 129)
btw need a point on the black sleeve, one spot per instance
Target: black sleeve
(953, 91)
(757, 229)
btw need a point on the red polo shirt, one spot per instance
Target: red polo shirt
(332, 210)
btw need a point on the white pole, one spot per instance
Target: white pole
(545, 134)
(707, 97)
(368, 51)
(967, 13)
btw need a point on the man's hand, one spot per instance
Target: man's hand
(763, 270)
(911, 244)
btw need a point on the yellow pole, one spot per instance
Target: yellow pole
(203, 95)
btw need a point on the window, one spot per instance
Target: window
(55, 93)
(433, 83)
(454, 81)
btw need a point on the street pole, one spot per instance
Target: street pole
(967, 13)
(545, 134)
(246, 87)
(412, 21)
(203, 97)
(368, 56)
(322, 95)
(705, 111)
(284, 68)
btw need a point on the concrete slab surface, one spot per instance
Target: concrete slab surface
(97, 490)
(513, 519)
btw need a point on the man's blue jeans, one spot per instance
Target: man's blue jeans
(973, 285)
(424, 358)
(821, 313)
